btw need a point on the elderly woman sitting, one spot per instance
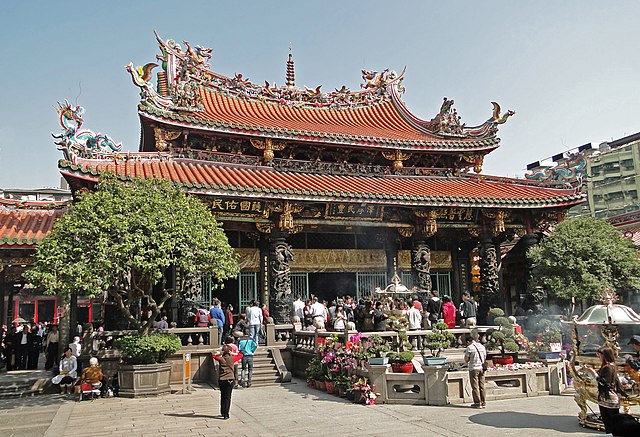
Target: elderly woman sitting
(93, 375)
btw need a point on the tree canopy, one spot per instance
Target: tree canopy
(582, 257)
(120, 239)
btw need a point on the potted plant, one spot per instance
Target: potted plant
(313, 371)
(437, 341)
(401, 356)
(550, 341)
(144, 370)
(377, 349)
(341, 383)
(502, 338)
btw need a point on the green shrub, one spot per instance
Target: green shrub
(401, 357)
(438, 339)
(147, 349)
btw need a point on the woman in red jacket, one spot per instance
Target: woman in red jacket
(448, 311)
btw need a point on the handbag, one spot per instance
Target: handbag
(485, 366)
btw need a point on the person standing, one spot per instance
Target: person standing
(226, 380)
(448, 312)
(318, 314)
(339, 318)
(34, 347)
(468, 311)
(298, 308)
(21, 343)
(216, 314)
(247, 348)
(608, 387)
(228, 321)
(379, 318)
(51, 346)
(254, 314)
(434, 307)
(476, 355)
(414, 317)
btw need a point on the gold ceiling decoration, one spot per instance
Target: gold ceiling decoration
(397, 156)
(162, 136)
(265, 228)
(268, 146)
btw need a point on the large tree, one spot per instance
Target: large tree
(583, 256)
(120, 239)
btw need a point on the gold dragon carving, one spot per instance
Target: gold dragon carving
(163, 136)
(268, 146)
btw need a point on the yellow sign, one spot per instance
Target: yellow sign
(439, 260)
(338, 260)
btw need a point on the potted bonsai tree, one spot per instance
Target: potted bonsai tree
(502, 338)
(437, 341)
(377, 349)
(402, 356)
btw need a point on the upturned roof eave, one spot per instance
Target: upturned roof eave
(327, 196)
(189, 122)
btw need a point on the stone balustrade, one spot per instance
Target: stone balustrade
(436, 385)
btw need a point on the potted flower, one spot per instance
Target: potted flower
(377, 349)
(437, 341)
(502, 338)
(363, 391)
(314, 371)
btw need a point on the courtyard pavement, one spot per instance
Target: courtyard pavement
(286, 410)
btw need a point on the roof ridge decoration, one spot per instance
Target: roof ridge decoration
(76, 142)
(447, 123)
(184, 70)
(570, 171)
(32, 205)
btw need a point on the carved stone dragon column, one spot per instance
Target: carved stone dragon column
(280, 297)
(421, 266)
(489, 284)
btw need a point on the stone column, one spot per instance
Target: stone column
(489, 284)
(421, 265)
(280, 297)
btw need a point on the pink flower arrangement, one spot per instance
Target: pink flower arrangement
(362, 385)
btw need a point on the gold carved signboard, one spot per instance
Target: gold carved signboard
(439, 260)
(354, 211)
(248, 259)
(244, 208)
(338, 260)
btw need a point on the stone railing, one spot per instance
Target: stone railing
(435, 385)
(308, 340)
(192, 338)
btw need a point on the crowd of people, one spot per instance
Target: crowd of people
(22, 344)
(371, 314)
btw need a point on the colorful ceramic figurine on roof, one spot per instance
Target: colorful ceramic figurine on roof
(348, 184)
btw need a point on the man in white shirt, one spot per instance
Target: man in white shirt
(298, 308)
(318, 314)
(254, 314)
(76, 347)
(476, 356)
(414, 317)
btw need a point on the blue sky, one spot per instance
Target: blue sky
(569, 69)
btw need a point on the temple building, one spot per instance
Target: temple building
(325, 192)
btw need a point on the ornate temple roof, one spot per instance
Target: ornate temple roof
(255, 181)
(25, 223)
(189, 95)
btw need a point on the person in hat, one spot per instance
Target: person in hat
(633, 361)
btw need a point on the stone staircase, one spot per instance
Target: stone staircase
(265, 371)
(24, 383)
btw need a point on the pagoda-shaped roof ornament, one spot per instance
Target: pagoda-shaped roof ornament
(291, 73)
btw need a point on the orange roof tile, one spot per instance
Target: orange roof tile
(25, 227)
(212, 178)
(378, 124)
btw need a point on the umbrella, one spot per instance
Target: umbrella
(19, 320)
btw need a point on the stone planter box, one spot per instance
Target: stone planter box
(141, 380)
